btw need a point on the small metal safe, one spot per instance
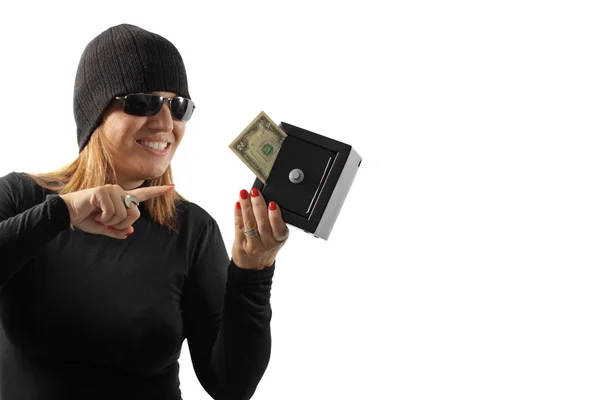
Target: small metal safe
(310, 179)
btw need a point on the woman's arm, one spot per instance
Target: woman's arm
(25, 229)
(227, 314)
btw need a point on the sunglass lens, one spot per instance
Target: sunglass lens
(142, 105)
(182, 108)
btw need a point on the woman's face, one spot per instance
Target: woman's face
(128, 136)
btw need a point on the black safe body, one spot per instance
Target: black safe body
(328, 169)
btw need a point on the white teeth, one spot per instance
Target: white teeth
(154, 145)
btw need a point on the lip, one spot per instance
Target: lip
(156, 152)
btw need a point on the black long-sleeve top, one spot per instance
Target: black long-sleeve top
(86, 316)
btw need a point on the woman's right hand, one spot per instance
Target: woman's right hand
(101, 210)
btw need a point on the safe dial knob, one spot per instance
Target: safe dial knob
(296, 175)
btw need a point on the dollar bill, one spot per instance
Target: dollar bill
(258, 145)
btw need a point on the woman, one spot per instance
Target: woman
(106, 269)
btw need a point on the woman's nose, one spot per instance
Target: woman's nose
(163, 121)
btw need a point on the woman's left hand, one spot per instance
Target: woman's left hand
(251, 213)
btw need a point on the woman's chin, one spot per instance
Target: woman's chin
(151, 174)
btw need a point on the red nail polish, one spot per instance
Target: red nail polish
(244, 194)
(238, 205)
(254, 192)
(171, 184)
(272, 206)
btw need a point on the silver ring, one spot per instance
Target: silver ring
(251, 232)
(131, 198)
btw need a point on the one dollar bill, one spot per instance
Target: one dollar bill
(258, 145)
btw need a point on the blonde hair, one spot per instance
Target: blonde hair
(94, 167)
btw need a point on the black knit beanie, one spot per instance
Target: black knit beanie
(123, 59)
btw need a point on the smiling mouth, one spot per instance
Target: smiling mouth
(157, 147)
(154, 145)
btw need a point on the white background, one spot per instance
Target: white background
(464, 263)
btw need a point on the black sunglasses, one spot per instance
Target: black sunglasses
(147, 104)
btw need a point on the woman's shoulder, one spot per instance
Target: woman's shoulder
(12, 177)
(21, 190)
(20, 182)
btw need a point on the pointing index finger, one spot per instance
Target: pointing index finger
(147, 193)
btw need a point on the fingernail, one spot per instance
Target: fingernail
(112, 228)
(238, 205)
(272, 206)
(254, 192)
(171, 184)
(244, 194)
